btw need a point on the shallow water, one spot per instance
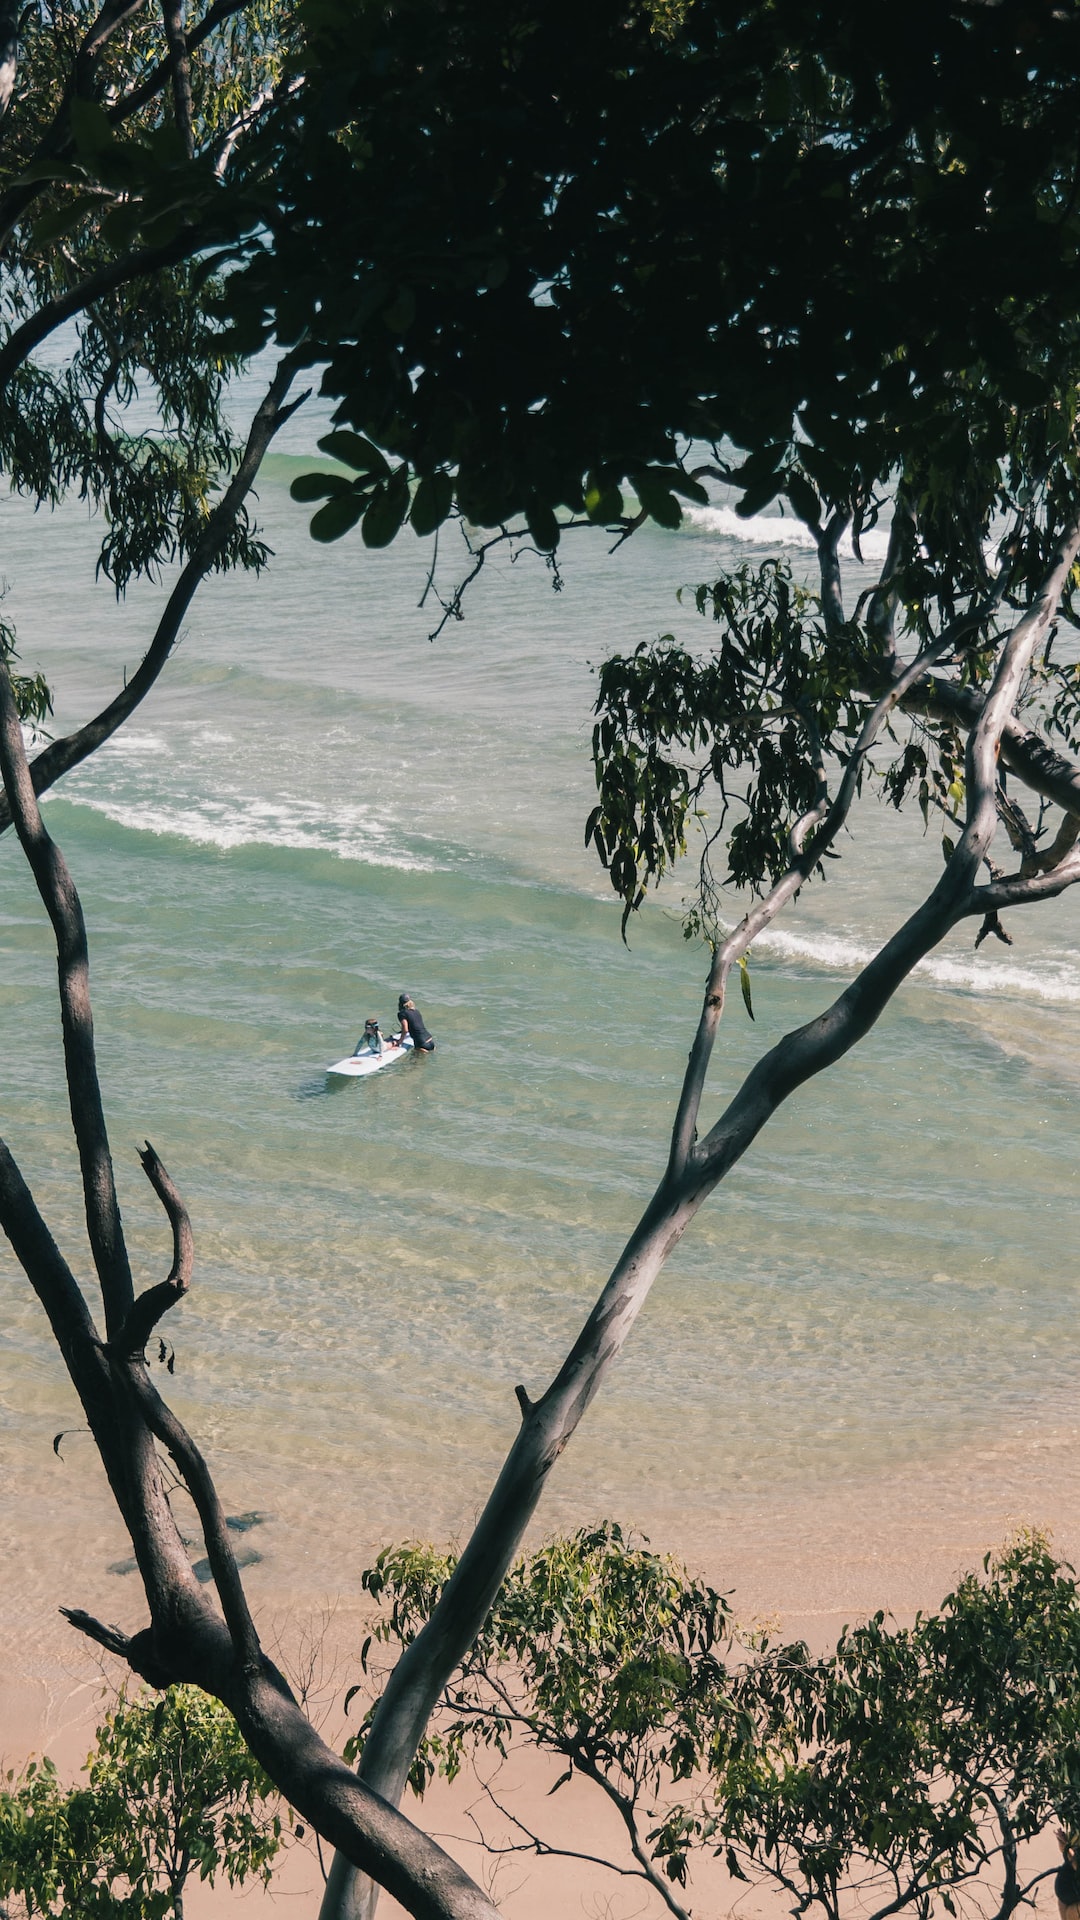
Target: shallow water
(318, 807)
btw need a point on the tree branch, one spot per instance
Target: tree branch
(807, 853)
(62, 1298)
(625, 1808)
(417, 1680)
(61, 755)
(192, 1467)
(1022, 890)
(544, 1849)
(61, 901)
(56, 141)
(150, 1306)
(828, 540)
(117, 273)
(884, 600)
(180, 69)
(162, 74)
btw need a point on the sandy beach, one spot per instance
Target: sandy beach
(809, 1566)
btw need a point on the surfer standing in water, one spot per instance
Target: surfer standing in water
(412, 1024)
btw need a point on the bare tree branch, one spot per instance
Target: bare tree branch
(150, 1306)
(61, 901)
(545, 1849)
(192, 1467)
(417, 1680)
(63, 754)
(172, 12)
(626, 1810)
(884, 599)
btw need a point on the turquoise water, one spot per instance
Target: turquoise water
(318, 807)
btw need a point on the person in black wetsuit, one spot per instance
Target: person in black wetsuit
(412, 1023)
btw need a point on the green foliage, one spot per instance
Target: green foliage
(913, 1759)
(92, 172)
(908, 1764)
(172, 1790)
(750, 723)
(849, 253)
(739, 741)
(33, 695)
(600, 1650)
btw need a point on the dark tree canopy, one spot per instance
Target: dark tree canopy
(540, 249)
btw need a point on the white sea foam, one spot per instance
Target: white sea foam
(306, 828)
(135, 746)
(1056, 981)
(776, 530)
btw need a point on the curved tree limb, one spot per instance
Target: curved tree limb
(627, 1812)
(144, 92)
(315, 1781)
(884, 599)
(544, 1849)
(57, 1289)
(195, 1473)
(112, 16)
(61, 901)
(1024, 751)
(807, 851)
(186, 1640)
(828, 540)
(56, 141)
(62, 755)
(116, 273)
(549, 1423)
(834, 1032)
(155, 1302)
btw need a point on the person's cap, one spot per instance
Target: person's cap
(404, 999)
(373, 1022)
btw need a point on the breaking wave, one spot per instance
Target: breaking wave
(1055, 981)
(776, 530)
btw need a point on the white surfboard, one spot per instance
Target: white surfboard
(357, 1066)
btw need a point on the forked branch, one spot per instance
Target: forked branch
(151, 1306)
(548, 1424)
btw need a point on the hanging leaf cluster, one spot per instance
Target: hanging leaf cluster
(732, 739)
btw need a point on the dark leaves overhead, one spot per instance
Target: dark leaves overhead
(534, 246)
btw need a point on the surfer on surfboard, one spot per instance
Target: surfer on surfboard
(371, 1040)
(412, 1024)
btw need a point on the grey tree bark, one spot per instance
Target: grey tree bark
(696, 1167)
(187, 1638)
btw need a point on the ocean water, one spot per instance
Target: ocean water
(318, 807)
